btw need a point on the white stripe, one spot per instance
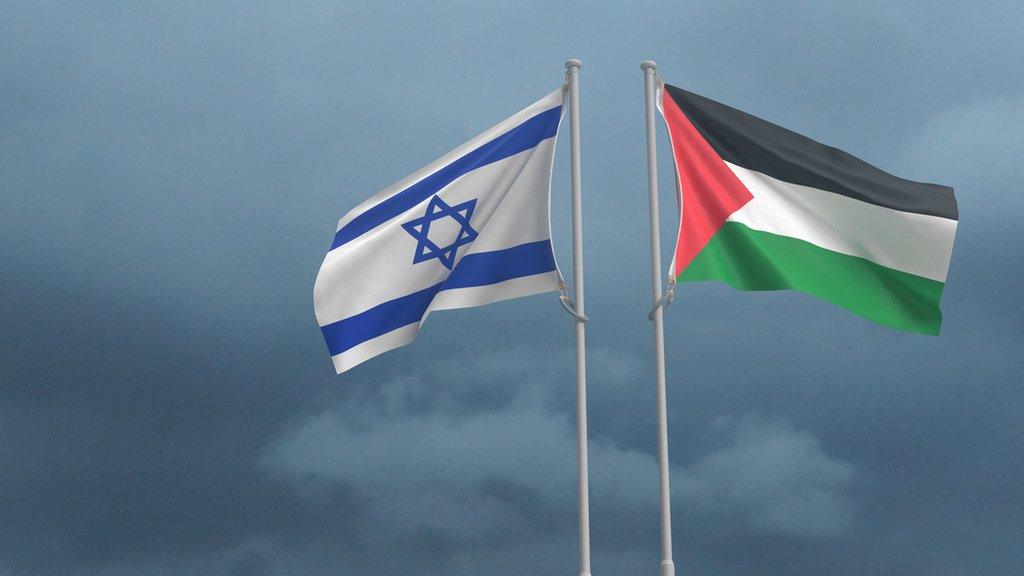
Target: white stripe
(480, 295)
(918, 244)
(511, 209)
(548, 102)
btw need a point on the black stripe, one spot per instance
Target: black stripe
(759, 145)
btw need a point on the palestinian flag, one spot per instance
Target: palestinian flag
(764, 208)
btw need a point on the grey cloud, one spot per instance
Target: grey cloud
(475, 476)
(452, 471)
(779, 478)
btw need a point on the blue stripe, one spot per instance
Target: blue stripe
(473, 270)
(522, 137)
(380, 319)
(492, 267)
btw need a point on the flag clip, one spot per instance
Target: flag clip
(666, 298)
(568, 304)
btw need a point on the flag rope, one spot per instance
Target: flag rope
(567, 303)
(667, 298)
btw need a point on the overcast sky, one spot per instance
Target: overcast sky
(171, 175)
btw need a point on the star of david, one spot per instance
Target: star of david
(419, 228)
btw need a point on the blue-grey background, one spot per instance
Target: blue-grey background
(171, 175)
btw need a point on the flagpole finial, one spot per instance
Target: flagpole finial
(648, 65)
(573, 63)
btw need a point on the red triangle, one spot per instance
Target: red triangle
(710, 191)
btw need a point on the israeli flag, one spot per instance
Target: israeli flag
(469, 229)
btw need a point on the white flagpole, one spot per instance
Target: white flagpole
(668, 567)
(573, 67)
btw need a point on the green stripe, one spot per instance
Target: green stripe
(749, 259)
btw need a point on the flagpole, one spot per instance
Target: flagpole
(573, 70)
(668, 567)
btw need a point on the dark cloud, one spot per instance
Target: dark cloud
(169, 178)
